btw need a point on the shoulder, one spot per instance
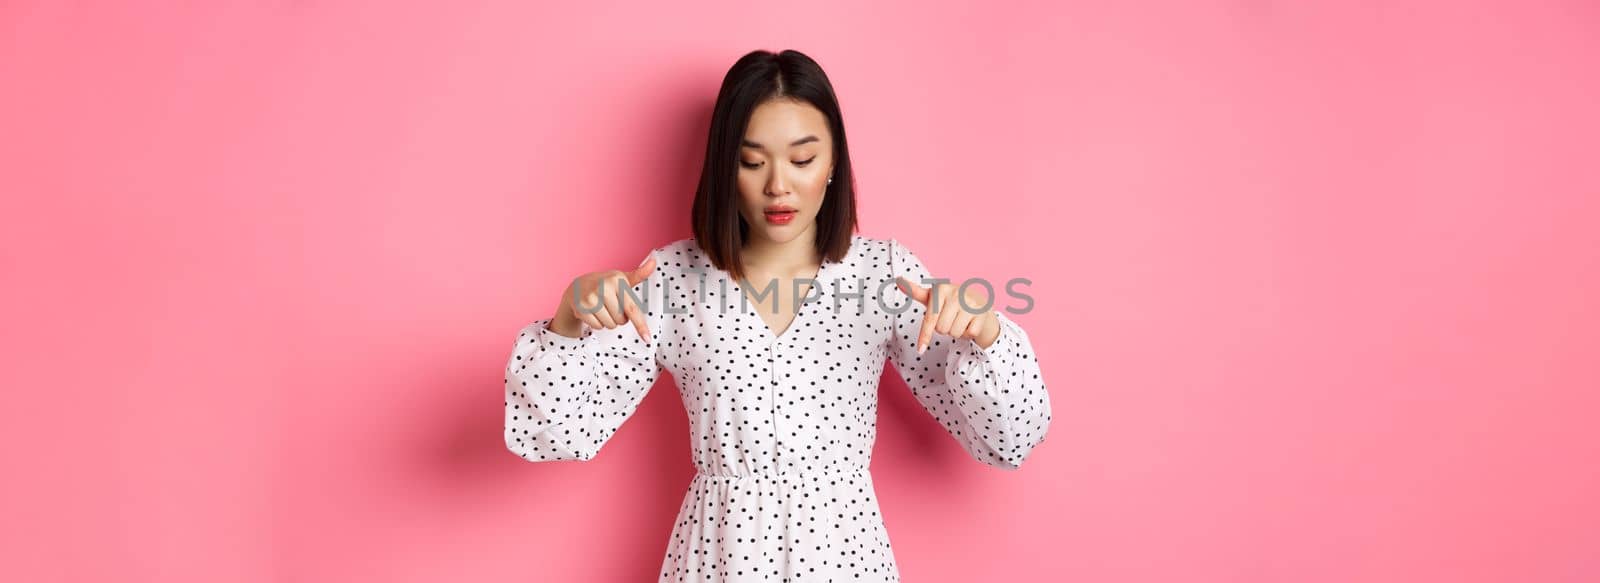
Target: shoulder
(679, 247)
(871, 249)
(874, 258)
(678, 254)
(886, 251)
(882, 246)
(866, 253)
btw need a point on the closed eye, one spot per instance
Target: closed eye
(755, 165)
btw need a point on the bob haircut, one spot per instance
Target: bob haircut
(757, 77)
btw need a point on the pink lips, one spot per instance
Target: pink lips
(780, 215)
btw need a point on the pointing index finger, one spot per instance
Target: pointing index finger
(930, 317)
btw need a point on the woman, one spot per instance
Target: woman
(782, 395)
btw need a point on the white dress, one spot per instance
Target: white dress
(781, 426)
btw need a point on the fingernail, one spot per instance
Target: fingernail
(921, 348)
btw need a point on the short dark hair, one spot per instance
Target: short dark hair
(757, 77)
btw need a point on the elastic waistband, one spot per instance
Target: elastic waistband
(854, 472)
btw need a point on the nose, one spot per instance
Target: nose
(777, 185)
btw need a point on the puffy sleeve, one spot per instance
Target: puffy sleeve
(992, 401)
(565, 397)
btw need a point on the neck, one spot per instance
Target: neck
(797, 257)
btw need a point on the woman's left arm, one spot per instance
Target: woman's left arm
(991, 399)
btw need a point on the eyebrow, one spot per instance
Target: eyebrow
(805, 140)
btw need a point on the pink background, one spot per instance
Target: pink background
(1316, 284)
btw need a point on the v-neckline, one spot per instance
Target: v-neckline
(819, 283)
(800, 309)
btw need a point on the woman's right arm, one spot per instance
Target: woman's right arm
(566, 396)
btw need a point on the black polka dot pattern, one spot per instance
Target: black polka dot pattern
(781, 425)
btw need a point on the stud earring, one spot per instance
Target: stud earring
(830, 180)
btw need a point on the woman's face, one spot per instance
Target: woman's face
(784, 163)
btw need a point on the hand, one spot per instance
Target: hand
(618, 307)
(950, 316)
